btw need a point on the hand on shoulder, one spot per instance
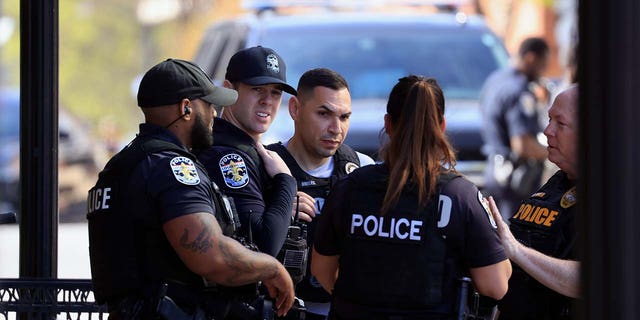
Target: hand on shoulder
(273, 163)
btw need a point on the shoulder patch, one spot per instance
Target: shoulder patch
(234, 171)
(485, 204)
(350, 166)
(184, 171)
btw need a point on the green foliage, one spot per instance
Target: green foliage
(11, 50)
(102, 48)
(98, 59)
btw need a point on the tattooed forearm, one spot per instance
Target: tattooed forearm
(202, 242)
(250, 267)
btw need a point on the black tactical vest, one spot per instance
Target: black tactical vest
(345, 160)
(545, 222)
(376, 277)
(129, 252)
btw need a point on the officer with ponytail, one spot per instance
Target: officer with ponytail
(397, 236)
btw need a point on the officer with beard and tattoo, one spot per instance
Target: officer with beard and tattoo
(511, 112)
(317, 158)
(156, 246)
(541, 237)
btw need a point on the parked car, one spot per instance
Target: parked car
(372, 51)
(76, 157)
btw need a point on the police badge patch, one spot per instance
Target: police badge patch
(485, 204)
(234, 171)
(185, 171)
(569, 198)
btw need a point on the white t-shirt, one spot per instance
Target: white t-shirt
(325, 170)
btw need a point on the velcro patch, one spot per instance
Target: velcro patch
(234, 171)
(485, 204)
(185, 171)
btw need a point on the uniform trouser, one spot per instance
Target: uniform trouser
(314, 316)
(341, 310)
(133, 309)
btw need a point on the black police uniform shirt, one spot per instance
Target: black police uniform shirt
(164, 185)
(509, 109)
(133, 250)
(545, 222)
(344, 161)
(413, 257)
(262, 203)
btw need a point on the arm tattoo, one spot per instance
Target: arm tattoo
(202, 242)
(246, 265)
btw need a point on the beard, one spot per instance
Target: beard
(201, 135)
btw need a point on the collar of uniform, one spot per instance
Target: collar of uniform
(224, 132)
(159, 132)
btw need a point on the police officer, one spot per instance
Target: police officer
(153, 234)
(317, 158)
(402, 232)
(263, 200)
(542, 245)
(511, 117)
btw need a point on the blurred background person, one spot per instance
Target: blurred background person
(397, 236)
(510, 103)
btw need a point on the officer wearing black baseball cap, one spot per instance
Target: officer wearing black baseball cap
(258, 66)
(173, 79)
(152, 212)
(263, 194)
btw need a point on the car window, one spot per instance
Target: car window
(373, 58)
(220, 42)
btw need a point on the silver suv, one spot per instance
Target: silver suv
(373, 50)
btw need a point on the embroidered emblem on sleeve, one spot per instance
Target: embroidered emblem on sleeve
(234, 171)
(350, 166)
(485, 204)
(184, 171)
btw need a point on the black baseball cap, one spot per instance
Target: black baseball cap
(257, 66)
(172, 80)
